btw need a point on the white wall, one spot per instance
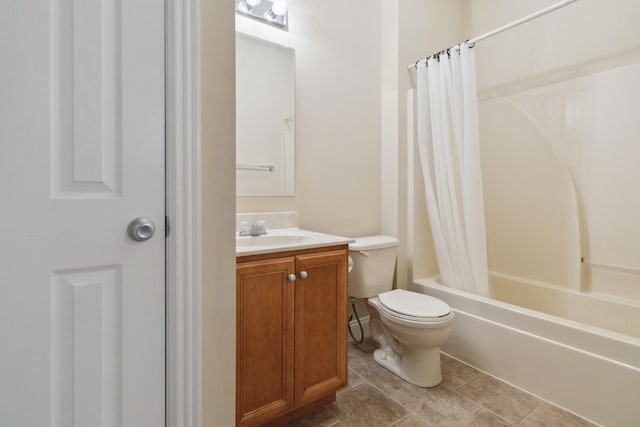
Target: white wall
(559, 102)
(218, 214)
(337, 115)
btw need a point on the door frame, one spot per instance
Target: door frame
(183, 245)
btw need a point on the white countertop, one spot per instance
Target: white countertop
(286, 239)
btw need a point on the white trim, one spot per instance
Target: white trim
(356, 329)
(183, 346)
(410, 185)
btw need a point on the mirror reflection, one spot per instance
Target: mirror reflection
(265, 146)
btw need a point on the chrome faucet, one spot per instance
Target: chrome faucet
(256, 229)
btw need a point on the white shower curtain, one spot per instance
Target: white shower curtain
(447, 113)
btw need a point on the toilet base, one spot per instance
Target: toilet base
(420, 367)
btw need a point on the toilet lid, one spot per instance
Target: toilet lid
(413, 304)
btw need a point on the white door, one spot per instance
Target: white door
(82, 311)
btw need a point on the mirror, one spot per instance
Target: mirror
(265, 144)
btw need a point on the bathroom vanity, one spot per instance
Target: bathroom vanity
(291, 343)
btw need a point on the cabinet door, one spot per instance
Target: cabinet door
(264, 334)
(321, 325)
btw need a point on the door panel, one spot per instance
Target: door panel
(321, 325)
(82, 153)
(86, 86)
(264, 330)
(85, 338)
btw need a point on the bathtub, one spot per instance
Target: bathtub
(586, 369)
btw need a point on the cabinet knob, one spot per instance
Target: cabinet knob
(292, 277)
(303, 274)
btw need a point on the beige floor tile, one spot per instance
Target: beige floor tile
(502, 399)
(549, 415)
(455, 373)
(367, 406)
(410, 421)
(377, 397)
(438, 405)
(483, 418)
(353, 380)
(388, 382)
(358, 358)
(323, 417)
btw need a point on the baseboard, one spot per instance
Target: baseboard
(355, 329)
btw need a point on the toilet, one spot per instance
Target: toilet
(408, 326)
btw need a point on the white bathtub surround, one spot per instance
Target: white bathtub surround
(589, 371)
(447, 114)
(618, 315)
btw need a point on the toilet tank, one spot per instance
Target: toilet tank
(374, 261)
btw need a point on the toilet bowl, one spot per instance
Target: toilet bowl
(408, 326)
(410, 340)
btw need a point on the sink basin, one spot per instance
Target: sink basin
(274, 240)
(285, 239)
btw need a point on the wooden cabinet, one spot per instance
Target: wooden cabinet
(264, 340)
(291, 348)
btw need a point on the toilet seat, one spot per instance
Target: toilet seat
(414, 306)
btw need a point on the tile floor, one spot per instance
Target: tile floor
(466, 397)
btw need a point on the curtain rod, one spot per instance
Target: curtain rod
(505, 27)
